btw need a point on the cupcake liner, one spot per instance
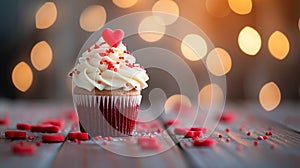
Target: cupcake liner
(107, 115)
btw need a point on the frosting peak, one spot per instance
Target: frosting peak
(108, 67)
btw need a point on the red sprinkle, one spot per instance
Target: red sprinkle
(227, 139)
(47, 128)
(15, 134)
(189, 134)
(265, 137)
(228, 117)
(198, 133)
(241, 129)
(172, 122)
(53, 138)
(248, 133)
(23, 126)
(220, 136)
(255, 143)
(96, 46)
(78, 135)
(4, 121)
(22, 149)
(38, 143)
(30, 138)
(55, 122)
(227, 130)
(209, 142)
(260, 138)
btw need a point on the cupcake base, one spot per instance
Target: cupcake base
(107, 115)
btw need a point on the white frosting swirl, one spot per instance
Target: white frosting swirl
(108, 68)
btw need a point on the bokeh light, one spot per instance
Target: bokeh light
(150, 30)
(217, 8)
(175, 101)
(124, 3)
(209, 95)
(22, 76)
(299, 23)
(241, 7)
(269, 96)
(41, 55)
(46, 16)
(218, 62)
(92, 18)
(278, 45)
(193, 47)
(249, 41)
(166, 6)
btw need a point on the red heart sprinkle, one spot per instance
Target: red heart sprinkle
(113, 38)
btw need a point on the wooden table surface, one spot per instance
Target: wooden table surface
(282, 149)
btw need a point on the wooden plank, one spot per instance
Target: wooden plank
(32, 113)
(117, 153)
(285, 141)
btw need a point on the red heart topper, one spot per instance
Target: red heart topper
(113, 38)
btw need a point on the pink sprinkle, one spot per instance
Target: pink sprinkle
(239, 147)
(105, 138)
(98, 137)
(260, 138)
(255, 143)
(265, 137)
(104, 142)
(181, 131)
(272, 146)
(227, 130)
(203, 129)
(270, 128)
(75, 140)
(220, 136)
(248, 133)
(241, 129)
(110, 138)
(227, 139)
(228, 117)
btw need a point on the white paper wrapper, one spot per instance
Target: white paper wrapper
(107, 115)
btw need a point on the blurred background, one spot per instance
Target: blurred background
(256, 41)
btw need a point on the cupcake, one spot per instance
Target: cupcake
(107, 86)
